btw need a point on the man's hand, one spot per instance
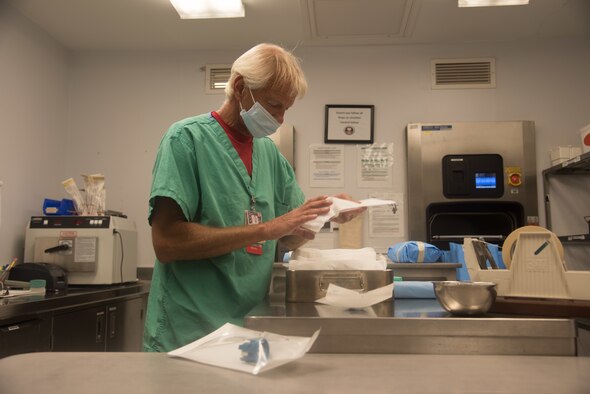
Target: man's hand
(290, 223)
(347, 216)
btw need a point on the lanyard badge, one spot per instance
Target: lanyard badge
(251, 217)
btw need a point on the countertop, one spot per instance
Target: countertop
(23, 306)
(415, 326)
(128, 373)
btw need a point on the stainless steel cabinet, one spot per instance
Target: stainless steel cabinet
(110, 326)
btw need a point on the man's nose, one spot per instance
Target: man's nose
(280, 116)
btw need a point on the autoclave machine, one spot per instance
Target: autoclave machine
(470, 179)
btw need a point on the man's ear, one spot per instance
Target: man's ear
(239, 86)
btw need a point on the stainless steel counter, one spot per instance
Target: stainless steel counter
(129, 373)
(415, 326)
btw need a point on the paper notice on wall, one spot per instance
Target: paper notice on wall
(374, 165)
(326, 166)
(383, 223)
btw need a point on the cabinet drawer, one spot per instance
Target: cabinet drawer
(24, 337)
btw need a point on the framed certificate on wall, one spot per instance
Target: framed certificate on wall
(349, 124)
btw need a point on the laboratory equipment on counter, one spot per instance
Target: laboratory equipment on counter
(54, 276)
(94, 250)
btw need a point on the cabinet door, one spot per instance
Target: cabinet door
(82, 330)
(125, 321)
(24, 337)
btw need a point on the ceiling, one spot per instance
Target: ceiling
(155, 25)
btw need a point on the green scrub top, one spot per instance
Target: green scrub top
(198, 167)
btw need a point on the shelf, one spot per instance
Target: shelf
(577, 165)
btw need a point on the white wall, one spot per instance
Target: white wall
(33, 107)
(133, 97)
(122, 102)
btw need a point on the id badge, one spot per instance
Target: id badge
(252, 217)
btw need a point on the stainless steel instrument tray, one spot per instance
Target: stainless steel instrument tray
(309, 285)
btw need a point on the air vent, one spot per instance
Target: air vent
(479, 73)
(216, 77)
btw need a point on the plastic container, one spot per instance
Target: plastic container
(57, 207)
(37, 286)
(564, 153)
(51, 207)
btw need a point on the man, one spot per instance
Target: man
(222, 195)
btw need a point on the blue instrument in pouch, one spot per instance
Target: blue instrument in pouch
(251, 350)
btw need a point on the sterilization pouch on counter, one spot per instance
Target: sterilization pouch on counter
(340, 205)
(347, 298)
(336, 259)
(245, 350)
(414, 252)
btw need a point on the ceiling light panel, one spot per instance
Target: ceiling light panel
(208, 9)
(490, 3)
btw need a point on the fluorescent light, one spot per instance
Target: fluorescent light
(489, 3)
(203, 9)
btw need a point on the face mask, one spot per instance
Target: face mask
(258, 120)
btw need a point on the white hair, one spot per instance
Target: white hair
(268, 66)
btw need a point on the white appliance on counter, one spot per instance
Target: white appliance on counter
(94, 250)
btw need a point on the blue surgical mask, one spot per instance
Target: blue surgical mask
(258, 120)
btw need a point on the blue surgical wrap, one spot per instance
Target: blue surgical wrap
(413, 252)
(411, 289)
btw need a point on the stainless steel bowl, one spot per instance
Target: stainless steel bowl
(465, 298)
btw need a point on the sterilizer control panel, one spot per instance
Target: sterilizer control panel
(473, 176)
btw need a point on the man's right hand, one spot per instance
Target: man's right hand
(290, 223)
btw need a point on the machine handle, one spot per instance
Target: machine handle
(100, 317)
(112, 321)
(57, 248)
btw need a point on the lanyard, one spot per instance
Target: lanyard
(252, 201)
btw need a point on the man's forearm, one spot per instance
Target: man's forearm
(193, 241)
(292, 242)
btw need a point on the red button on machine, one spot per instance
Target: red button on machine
(514, 179)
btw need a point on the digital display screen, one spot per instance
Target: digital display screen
(485, 180)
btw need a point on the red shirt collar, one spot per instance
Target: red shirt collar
(232, 133)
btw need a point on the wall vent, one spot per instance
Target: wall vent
(475, 73)
(216, 77)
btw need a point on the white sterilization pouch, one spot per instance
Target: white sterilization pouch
(245, 350)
